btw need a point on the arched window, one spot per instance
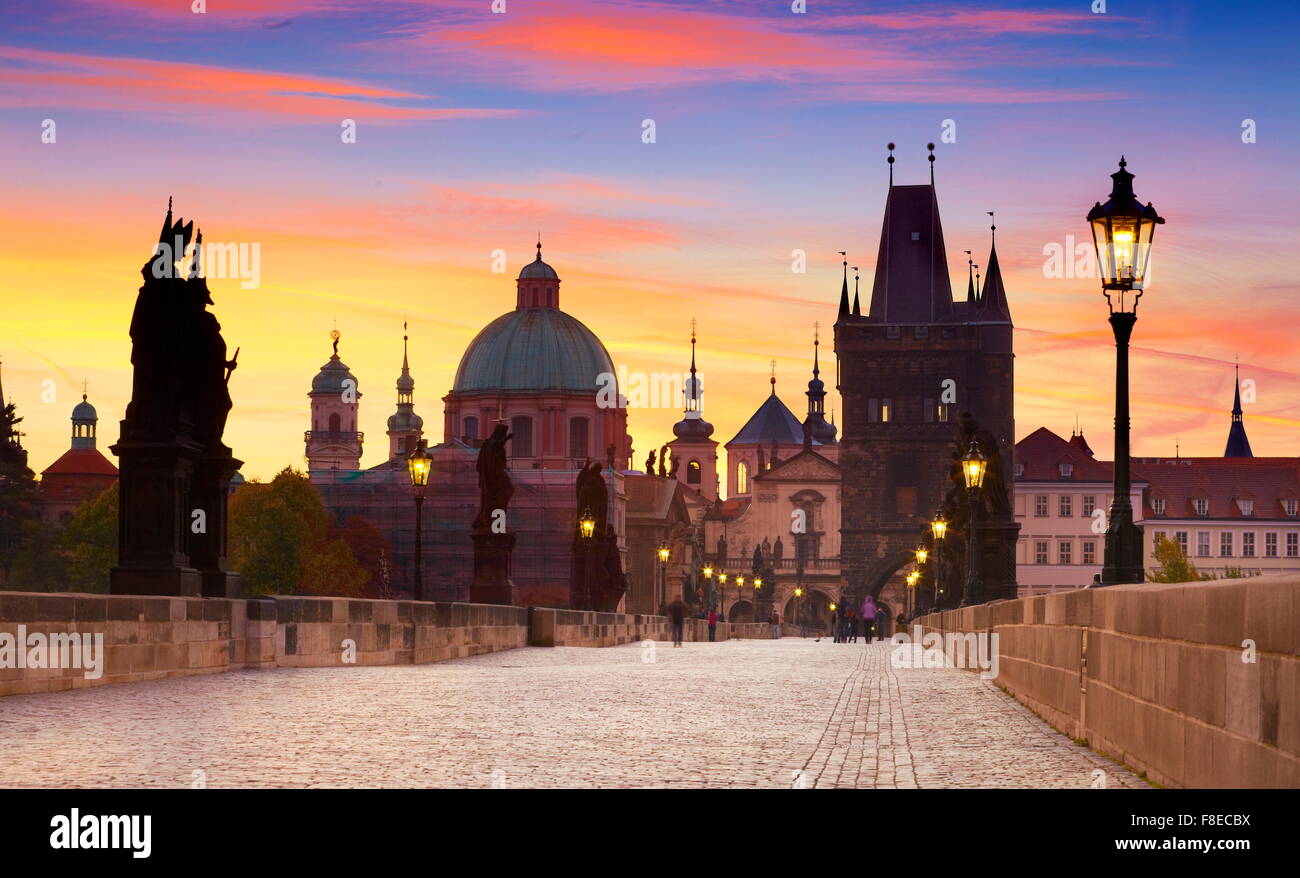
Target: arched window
(521, 431)
(742, 478)
(471, 427)
(578, 431)
(336, 425)
(693, 472)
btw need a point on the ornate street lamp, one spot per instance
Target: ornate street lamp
(663, 552)
(419, 464)
(921, 554)
(1122, 231)
(973, 467)
(939, 529)
(586, 524)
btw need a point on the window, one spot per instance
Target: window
(1158, 505)
(945, 410)
(471, 428)
(928, 411)
(1202, 506)
(1203, 544)
(1089, 552)
(873, 410)
(1020, 470)
(1089, 504)
(1067, 470)
(1248, 545)
(1040, 551)
(521, 432)
(336, 425)
(1040, 506)
(1247, 507)
(1225, 544)
(885, 410)
(1270, 545)
(1180, 537)
(1293, 545)
(1066, 506)
(579, 429)
(1064, 552)
(1292, 507)
(742, 478)
(1157, 537)
(693, 472)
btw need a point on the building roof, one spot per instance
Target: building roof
(727, 510)
(1042, 452)
(538, 269)
(533, 349)
(1238, 445)
(331, 376)
(1180, 481)
(81, 462)
(773, 422)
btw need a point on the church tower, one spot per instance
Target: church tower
(333, 443)
(820, 429)
(694, 445)
(907, 369)
(405, 427)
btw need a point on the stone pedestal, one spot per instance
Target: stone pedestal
(154, 517)
(997, 560)
(210, 492)
(492, 584)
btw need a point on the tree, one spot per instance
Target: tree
(1174, 566)
(280, 544)
(371, 549)
(90, 542)
(19, 505)
(38, 564)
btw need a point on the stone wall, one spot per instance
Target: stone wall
(1153, 675)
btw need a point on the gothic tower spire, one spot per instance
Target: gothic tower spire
(1238, 445)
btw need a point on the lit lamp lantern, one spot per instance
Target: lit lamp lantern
(921, 554)
(973, 468)
(758, 582)
(587, 524)
(798, 592)
(939, 527)
(663, 553)
(740, 582)
(974, 465)
(722, 577)
(833, 606)
(708, 572)
(913, 577)
(1122, 231)
(419, 463)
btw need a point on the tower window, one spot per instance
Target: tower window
(471, 427)
(742, 478)
(336, 424)
(885, 410)
(521, 431)
(693, 472)
(928, 408)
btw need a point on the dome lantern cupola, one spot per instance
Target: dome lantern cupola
(84, 422)
(405, 427)
(539, 285)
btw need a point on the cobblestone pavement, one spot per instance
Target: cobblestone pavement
(747, 713)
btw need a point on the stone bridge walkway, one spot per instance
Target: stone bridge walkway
(748, 713)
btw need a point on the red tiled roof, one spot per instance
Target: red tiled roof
(729, 509)
(1222, 481)
(81, 462)
(1042, 452)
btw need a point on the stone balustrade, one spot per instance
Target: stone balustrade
(1196, 684)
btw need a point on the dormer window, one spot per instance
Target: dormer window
(1067, 470)
(1158, 505)
(1202, 506)
(1247, 507)
(1020, 470)
(1292, 507)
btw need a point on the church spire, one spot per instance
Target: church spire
(993, 307)
(692, 425)
(815, 422)
(1238, 445)
(844, 290)
(405, 427)
(857, 306)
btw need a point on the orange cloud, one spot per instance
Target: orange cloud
(59, 79)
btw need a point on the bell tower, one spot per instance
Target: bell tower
(333, 442)
(694, 445)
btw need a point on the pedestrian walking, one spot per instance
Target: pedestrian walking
(776, 626)
(869, 617)
(677, 615)
(713, 625)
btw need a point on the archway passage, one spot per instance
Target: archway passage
(812, 611)
(741, 611)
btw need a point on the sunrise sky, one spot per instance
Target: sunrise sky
(476, 130)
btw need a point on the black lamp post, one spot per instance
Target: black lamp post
(419, 463)
(939, 528)
(663, 552)
(1122, 230)
(973, 467)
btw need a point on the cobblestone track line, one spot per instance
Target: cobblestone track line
(749, 713)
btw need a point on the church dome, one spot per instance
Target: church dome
(84, 411)
(533, 349)
(538, 269)
(405, 422)
(331, 376)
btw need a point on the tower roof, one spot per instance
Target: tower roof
(773, 422)
(911, 283)
(533, 349)
(332, 375)
(993, 307)
(537, 268)
(1238, 445)
(692, 425)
